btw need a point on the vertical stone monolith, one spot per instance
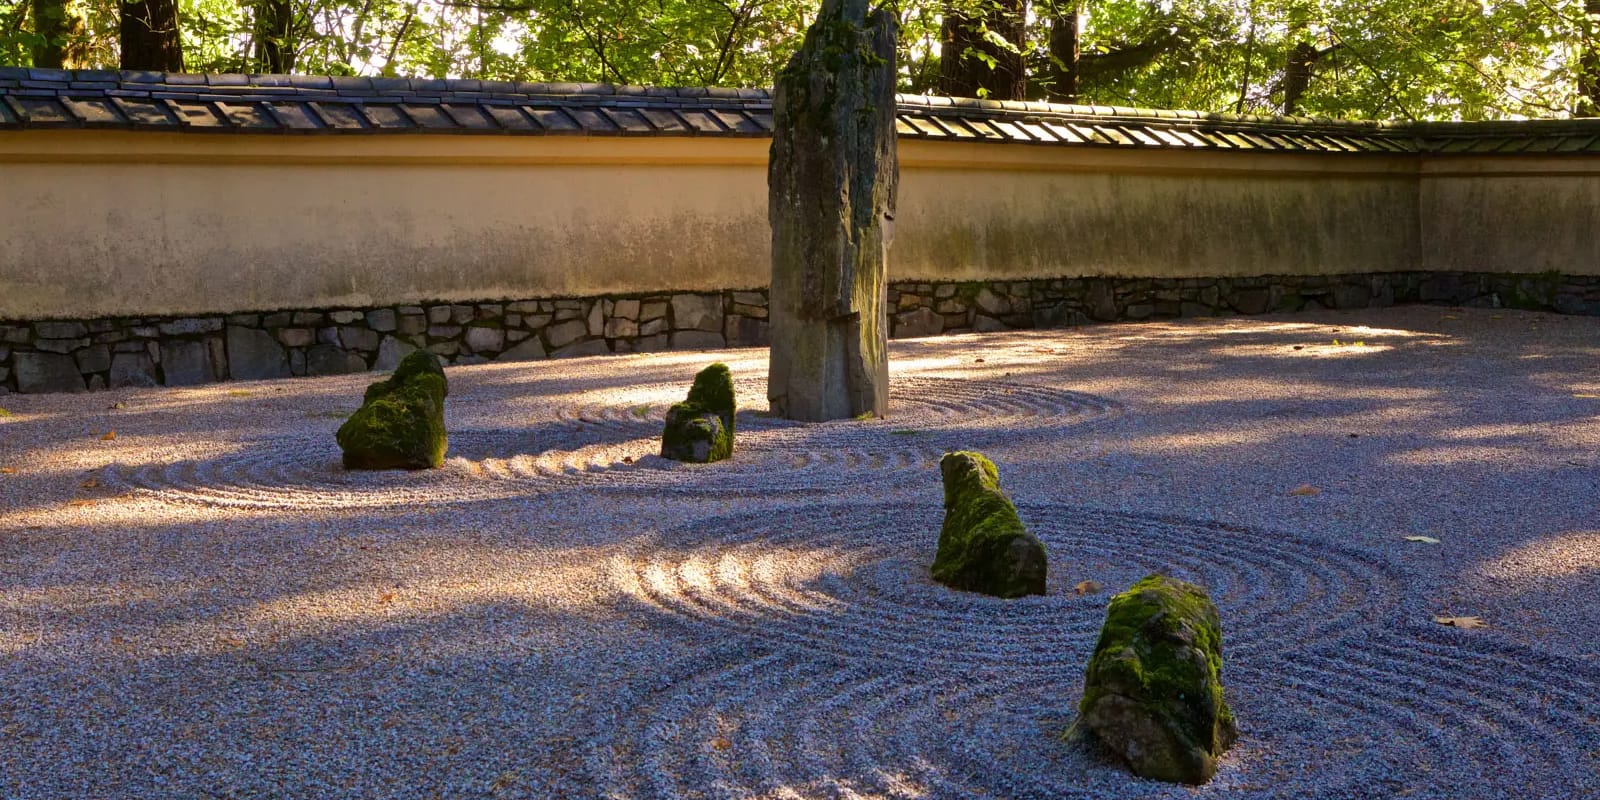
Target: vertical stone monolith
(831, 185)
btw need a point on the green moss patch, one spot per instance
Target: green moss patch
(983, 546)
(700, 429)
(1153, 689)
(400, 424)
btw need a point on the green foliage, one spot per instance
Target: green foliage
(1395, 59)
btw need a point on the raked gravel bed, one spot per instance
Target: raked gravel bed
(205, 605)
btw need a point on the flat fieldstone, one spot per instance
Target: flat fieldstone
(562, 334)
(390, 352)
(47, 372)
(185, 327)
(921, 322)
(132, 369)
(296, 337)
(60, 330)
(702, 312)
(93, 359)
(697, 340)
(254, 355)
(381, 320)
(325, 359)
(485, 340)
(530, 350)
(591, 347)
(186, 364)
(60, 345)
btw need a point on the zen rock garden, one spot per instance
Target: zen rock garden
(588, 563)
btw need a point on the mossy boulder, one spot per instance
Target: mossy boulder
(1153, 690)
(400, 424)
(700, 429)
(983, 546)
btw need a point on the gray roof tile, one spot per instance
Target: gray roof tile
(295, 116)
(511, 119)
(248, 116)
(340, 116)
(322, 104)
(45, 111)
(554, 120)
(97, 113)
(199, 116)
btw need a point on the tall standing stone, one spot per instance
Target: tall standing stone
(831, 187)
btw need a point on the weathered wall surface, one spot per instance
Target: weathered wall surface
(1517, 214)
(156, 224)
(982, 212)
(97, 224)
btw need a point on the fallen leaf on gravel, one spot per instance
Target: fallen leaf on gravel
(977, 361)
(8, 470)
(1586, 396)
(1087, 587)
(229, 641)
(627, 459)
(109, 436)
(240, 393)
(385, 598)
(720, 744)
(1462, 622)
(92, 483)
(116, 406)
(1423, 539)
(1305, 490)
(4, 413)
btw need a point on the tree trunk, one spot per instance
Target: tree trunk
(1064, 53)
(60, 24)
(831, 183)
(1297, 75)
(963, 68)
(150, 36)
(274, 20)
(1588, 104)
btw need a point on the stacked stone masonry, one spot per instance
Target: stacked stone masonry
(75, 355)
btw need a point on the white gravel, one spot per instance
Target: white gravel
(205, 605)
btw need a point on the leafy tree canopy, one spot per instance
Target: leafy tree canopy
(1387, 59)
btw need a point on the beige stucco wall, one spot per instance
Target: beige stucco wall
(1511, 214)
(103, 223)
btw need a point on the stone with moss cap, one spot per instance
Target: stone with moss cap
(701, 428)
(400, 424)
(983, 546)
(1153, 690)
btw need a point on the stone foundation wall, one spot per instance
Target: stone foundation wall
(74, 355)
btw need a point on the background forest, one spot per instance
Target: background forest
(1385, 59)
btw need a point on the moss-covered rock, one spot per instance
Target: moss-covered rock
(700, 429)
(400, 424)
(983, 546)
(1153, 690)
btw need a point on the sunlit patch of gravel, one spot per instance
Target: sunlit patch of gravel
(205, 605)
(609, 443)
